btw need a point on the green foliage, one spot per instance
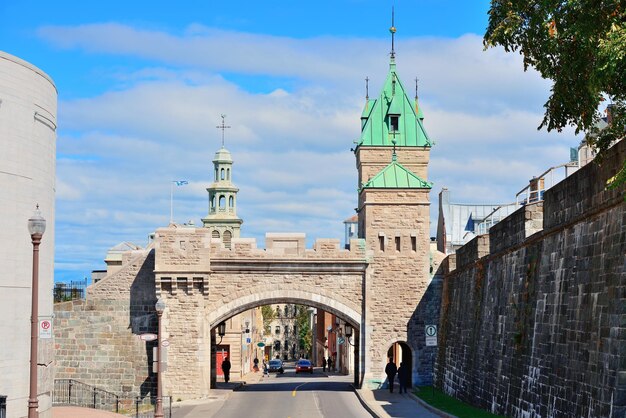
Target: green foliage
(448, 404)
(305, 334)
(581, 46)
(269, 314)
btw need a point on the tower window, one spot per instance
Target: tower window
(228, 174)
(215, 173)
(414, 243)
(227, 238)
(222, 202)
(231, 202)
(381, 242)
(398, 244)
(222, 174)
(394, 123)
(213, 202)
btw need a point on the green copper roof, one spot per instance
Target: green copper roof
(393, 101)
(395, 176)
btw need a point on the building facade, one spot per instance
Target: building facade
(28, 107)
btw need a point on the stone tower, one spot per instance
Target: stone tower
(393, 217)
(222, 218)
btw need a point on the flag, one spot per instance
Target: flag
(181, 182)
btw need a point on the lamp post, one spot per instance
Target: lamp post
(158, 413)
(36, 228)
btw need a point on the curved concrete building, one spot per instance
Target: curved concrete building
(28, 107)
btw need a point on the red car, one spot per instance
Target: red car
(304, 366)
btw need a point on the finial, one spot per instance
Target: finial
(416, 80)
(367, 88)
(223, 127)
(392, 30)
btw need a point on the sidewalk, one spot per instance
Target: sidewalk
(382, 404)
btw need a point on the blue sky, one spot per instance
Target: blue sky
(142, 86)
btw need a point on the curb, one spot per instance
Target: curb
(364, 404)
(430, 407)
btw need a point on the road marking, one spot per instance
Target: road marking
(293, 393)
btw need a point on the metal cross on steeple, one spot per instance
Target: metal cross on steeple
(367, 88)
(416, 80)
(223, 127)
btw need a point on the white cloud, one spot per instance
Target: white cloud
(119, 151)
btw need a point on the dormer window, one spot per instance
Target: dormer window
(394, 123)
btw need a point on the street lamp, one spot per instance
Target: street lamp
(221, 331)
(349, 333)
(36, 228)
(158, 413)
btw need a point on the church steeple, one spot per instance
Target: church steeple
(222, 218)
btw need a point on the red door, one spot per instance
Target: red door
(222, 353)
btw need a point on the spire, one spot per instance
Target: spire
(223, 127)
(392, 30)
(367, 88)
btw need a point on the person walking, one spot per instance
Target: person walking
(329, 363)
(324, 364)
(266, 371)
(256, 364)
(226, 369)
(390, 371)
(404, 377)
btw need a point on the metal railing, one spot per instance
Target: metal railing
(70, 392)
(63, 292)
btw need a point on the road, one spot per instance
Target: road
(287, 395)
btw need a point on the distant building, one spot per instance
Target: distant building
(351, 229)
(458, 223)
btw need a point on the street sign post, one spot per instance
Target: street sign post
(45, 329)
(148, 337)
(431, 335)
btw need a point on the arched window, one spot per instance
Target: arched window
(215, 173)
(222, 174)
(227, 236)
(213, 202)
(228, 174)
(231, 201)
(222, 202)
(215, 234)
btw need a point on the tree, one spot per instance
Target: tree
(581, 46)
(269, 314)
(305, 335)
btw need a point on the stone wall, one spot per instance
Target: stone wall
(537, 327)
(96, 339)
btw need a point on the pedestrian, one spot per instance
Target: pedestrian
(404, 377)
(324, 364)
(329, 363)
(390, 371)
(256, 364)
(266, 371)
(226, 369)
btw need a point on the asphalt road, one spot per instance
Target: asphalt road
(287, 395)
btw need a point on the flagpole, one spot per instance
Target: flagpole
(172, 202)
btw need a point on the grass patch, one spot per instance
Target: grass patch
(451, 405)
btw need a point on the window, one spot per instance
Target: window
(215, 234)
(213, 202)
(231, 202)
(222, 174)
(228, 174)
(394, 123)
(278, 332)
(286, 330)
(222, 202)
(277, 345)
(381, 242)
(227, 238)
(398, 244)
(414, 243)
(215, 173)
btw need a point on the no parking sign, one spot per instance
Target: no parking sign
(45, 328)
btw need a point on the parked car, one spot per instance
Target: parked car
(304, 366)
(276, 365)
